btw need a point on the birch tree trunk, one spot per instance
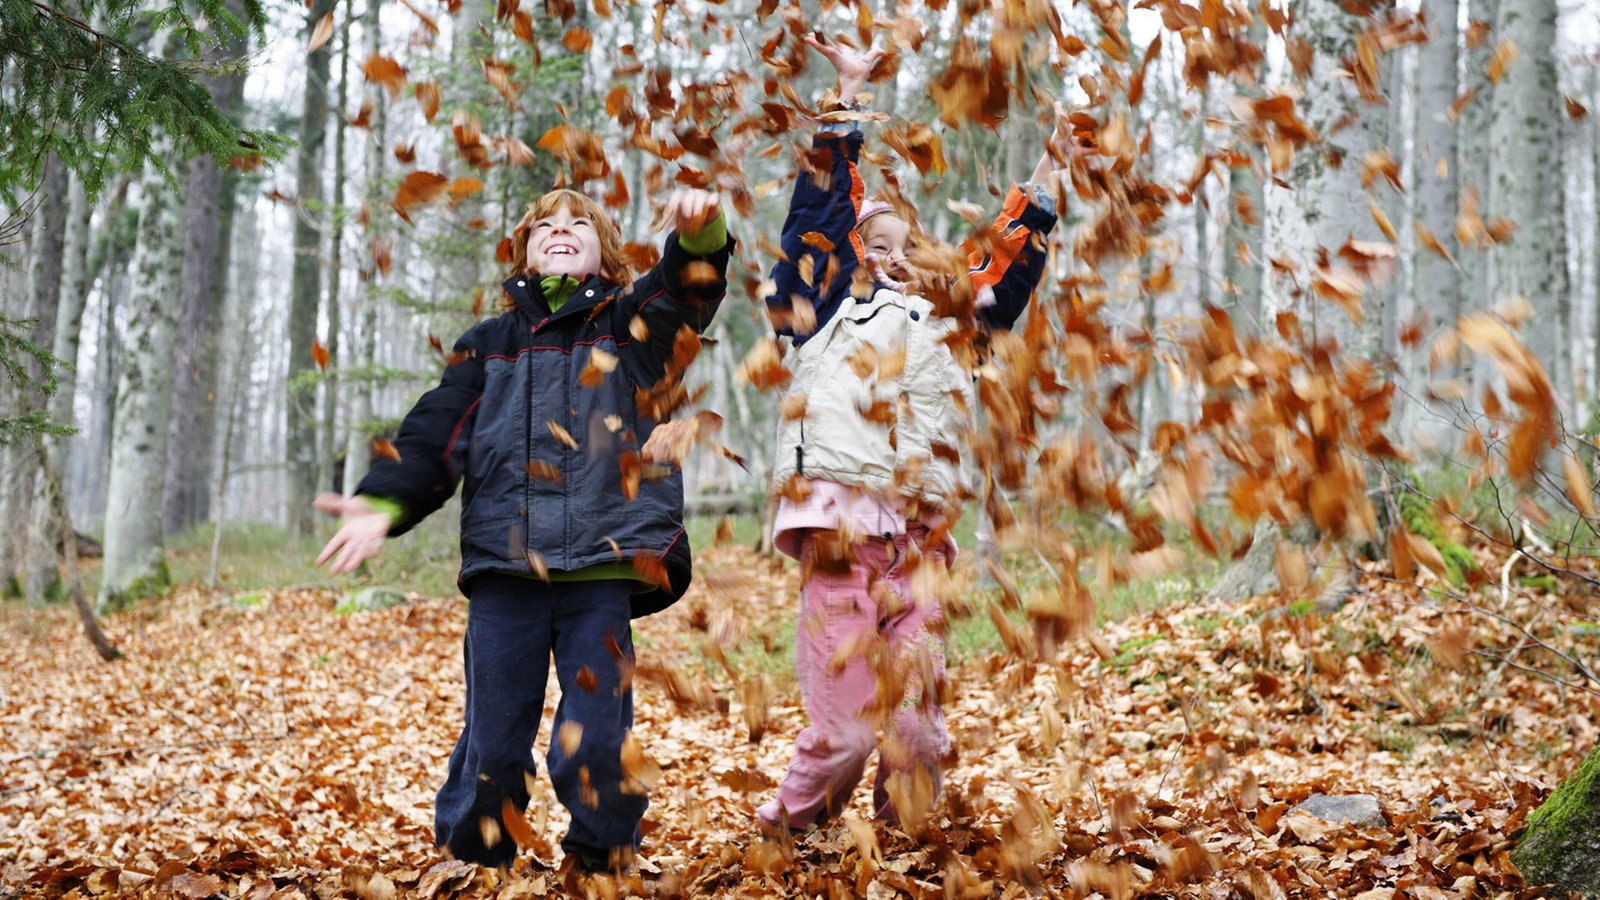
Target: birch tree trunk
(135, 563)
(1527, 185)
(300, 432)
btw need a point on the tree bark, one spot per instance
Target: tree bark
(358, 440)
(327, 442)
(208, 222)
(36, 552)
(135, 562)
(1327, 178)
(300, 432)
(1527, 185)
(1243, 253)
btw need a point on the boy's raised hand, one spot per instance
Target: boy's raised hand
(360, 535)
(690, 210)
(853, 67)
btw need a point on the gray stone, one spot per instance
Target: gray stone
(1561, 844)
(1360, 810)
(371, 598)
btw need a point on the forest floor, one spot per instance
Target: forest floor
(273, 746)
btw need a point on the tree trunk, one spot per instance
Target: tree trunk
(327, 442)
(1436, 183)
(300, 432)
(89, 462)
(1527, 185)
(208, 222)
(1561, 845)
(36, 553)
(1476, 117)
(1327, 178)
(358, 440)
(56, 499)
(135, 563)
(1243, 253)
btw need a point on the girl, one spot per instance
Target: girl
(561, 541)
(869, 466)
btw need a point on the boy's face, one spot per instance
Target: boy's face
(886, 236)
(564, 243)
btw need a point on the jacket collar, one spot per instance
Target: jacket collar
(525, 291)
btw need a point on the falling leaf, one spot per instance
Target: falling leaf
(319, 354)
(385, 449)
(428, 98)
(386, 72)
(578, 40)
(418, 189)
(320, 34)
(562, 435)
(570, 735)
(1579, 489)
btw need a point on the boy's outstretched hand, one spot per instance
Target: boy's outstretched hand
(690, 210)
(1061, 149)
(853, 67)
(360, 536)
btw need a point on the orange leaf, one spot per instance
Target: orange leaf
(578, 40)
(1578, 486)
(562, 435)
(516, 825)
(817, 240)
(319, 354)
(385, 449)
(428, 98)
(462, 188)
(417, 189)
(385, 71)
(1575, 110)
(320, 34)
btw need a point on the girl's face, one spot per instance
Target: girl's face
(564, 243)
(886, 236)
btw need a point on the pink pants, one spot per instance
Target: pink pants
(866, 650)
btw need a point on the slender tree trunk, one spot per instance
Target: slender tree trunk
(358, 440)
(300, 432)
(135, 562)
(36, 553)
(1477, 115)
(1437, 184)
(56, 497)
(1528, 185)
(1243, 253)
(327, 443)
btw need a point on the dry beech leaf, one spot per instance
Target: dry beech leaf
(320, 34)
(562, 435)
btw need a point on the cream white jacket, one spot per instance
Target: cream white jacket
(887, 407)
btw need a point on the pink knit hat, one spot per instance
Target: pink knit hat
(872, 208)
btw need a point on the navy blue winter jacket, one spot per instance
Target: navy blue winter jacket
(544, 457)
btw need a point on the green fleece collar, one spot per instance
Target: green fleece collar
(557, 288)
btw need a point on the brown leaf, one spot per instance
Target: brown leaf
(385, 449)
(562, 435)
(428, 98)
(385, 71)
(578, 40)
(1579, 489)
(320, 34)
(418, 189)
(319, 354)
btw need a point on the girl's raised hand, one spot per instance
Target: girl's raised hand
(853, 67)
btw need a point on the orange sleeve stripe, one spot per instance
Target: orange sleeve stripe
(858, 193)
(1007, 241)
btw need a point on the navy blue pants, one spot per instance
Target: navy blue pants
(514, 626)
